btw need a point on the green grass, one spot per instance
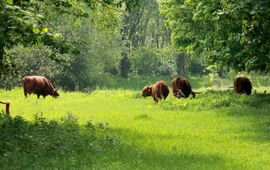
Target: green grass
(216, 130)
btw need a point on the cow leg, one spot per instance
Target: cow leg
(25, 92)
(38, 95)
(165, 95)
(156, 97)
(24, 89)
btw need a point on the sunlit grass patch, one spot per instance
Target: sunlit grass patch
(216, 130)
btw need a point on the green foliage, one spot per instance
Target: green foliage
(41, 141)
(144, 26)
(35, 22)
(90, 52)
(230, 34)
(8, 76)
(213, 99)
(25, 23)
(195, 67)
(153, 62)
(34, 60)
(98, 57)
(145, 61)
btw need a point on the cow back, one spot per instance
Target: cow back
(242, 85)
(182, 84)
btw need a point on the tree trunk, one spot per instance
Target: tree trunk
(181, 59)
(124, 63)
(124, 66)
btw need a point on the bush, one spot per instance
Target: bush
(213, 99)
(196, 68)
(30, 145)
(152, 62)
(35, 60)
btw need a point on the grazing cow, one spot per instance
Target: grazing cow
(157, 91)
(242, 85)
(182, 88)
(38, 85)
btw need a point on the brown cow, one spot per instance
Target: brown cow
(242, 85)
(157, 91)
(38, 85)
(182, 88)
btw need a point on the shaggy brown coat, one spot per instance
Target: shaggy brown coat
(38, 85)
(158, 91)
(182, 88)
(242, 85)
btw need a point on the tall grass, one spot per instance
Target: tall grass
(216, 130)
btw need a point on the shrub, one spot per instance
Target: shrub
(152, 62)
(35, 60)
(32, 145)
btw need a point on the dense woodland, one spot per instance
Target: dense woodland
(86, 43)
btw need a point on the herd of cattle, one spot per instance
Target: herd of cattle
(181, 88)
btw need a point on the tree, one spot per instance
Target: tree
(63, 27)
(142, 26)
(24, 22)
(181, 62)
(231, 34)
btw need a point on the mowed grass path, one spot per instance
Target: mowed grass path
(216, 130)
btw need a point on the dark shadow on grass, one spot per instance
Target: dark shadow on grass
(51, 144)
(256, 110)
(131, 156)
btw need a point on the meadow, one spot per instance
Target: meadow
(118, 129)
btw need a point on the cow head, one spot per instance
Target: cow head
(147, 91)
(55, 93)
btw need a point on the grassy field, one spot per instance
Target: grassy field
(216, 130)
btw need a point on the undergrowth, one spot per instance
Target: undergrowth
(217, 99)
(41, 143)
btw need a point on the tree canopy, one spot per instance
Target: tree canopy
(232, 34)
